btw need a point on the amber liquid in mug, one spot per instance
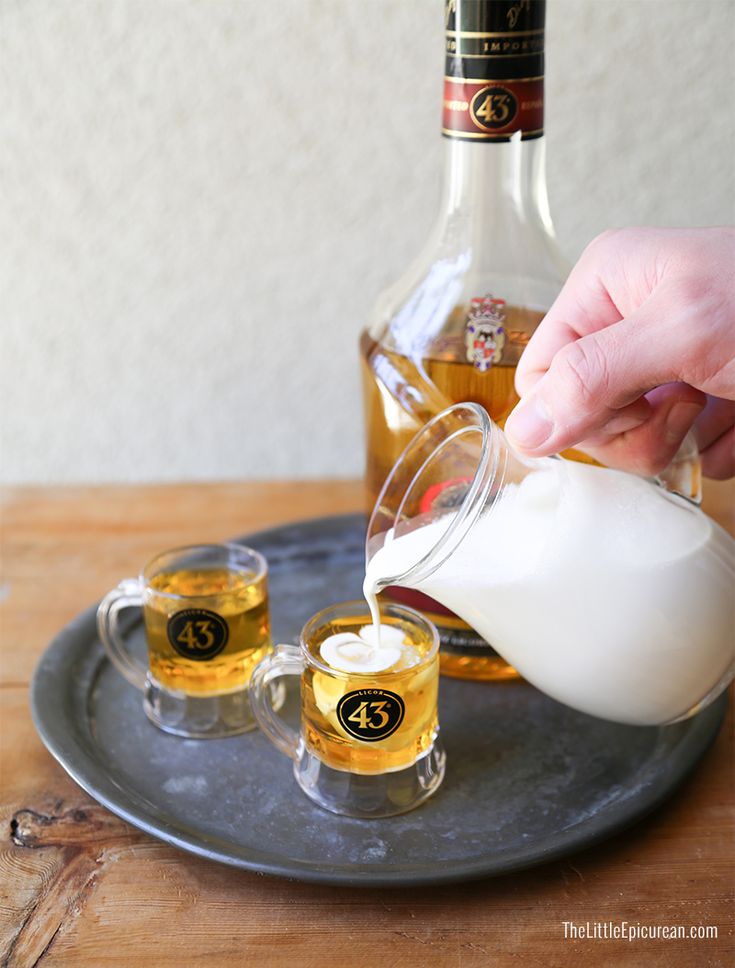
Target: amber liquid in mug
(238, 598)
(414, 678)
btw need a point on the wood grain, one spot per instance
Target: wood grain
(81, 888)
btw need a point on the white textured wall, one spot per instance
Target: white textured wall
(200, 199)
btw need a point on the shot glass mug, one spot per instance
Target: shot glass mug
(207, 625)
(369, 742)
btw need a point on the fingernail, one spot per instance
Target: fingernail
(680, 418)
(530, 424)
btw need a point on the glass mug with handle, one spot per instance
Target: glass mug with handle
(369, 742)
(207, 625)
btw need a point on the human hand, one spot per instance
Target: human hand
(638, 348)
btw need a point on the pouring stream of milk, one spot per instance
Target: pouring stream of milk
(603, 590)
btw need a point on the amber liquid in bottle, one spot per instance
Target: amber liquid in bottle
(426, 386)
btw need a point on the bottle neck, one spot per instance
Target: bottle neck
(493, 124)
(504, 180)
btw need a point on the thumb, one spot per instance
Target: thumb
(597, 383)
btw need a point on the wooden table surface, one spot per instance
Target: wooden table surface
(81, 888)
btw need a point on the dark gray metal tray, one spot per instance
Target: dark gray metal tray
(527, 780)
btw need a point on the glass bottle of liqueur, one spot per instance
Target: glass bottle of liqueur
(453, 327)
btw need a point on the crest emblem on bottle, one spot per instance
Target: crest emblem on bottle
(484, 333)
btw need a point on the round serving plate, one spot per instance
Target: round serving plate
(528, 780)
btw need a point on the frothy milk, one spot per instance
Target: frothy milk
(604, 591)
(374, 648)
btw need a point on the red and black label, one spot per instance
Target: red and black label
(494, 70)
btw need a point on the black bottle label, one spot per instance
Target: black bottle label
(494, 70)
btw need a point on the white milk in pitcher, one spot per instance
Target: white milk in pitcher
(604, 591)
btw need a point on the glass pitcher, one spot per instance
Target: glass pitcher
(603, 589)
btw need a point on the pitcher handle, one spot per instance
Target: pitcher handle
(285, 660)
(128, 594)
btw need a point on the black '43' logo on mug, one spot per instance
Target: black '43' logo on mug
(197, 633)
(370, 714)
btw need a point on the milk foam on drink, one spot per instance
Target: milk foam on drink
(374, 648)
(604, 591)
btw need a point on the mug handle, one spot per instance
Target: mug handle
(285, 660)
(128, 594)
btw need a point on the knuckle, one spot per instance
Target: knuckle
(687, 291)
(605, 240)
(613, 244)
(583, 373)
(603, 260)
